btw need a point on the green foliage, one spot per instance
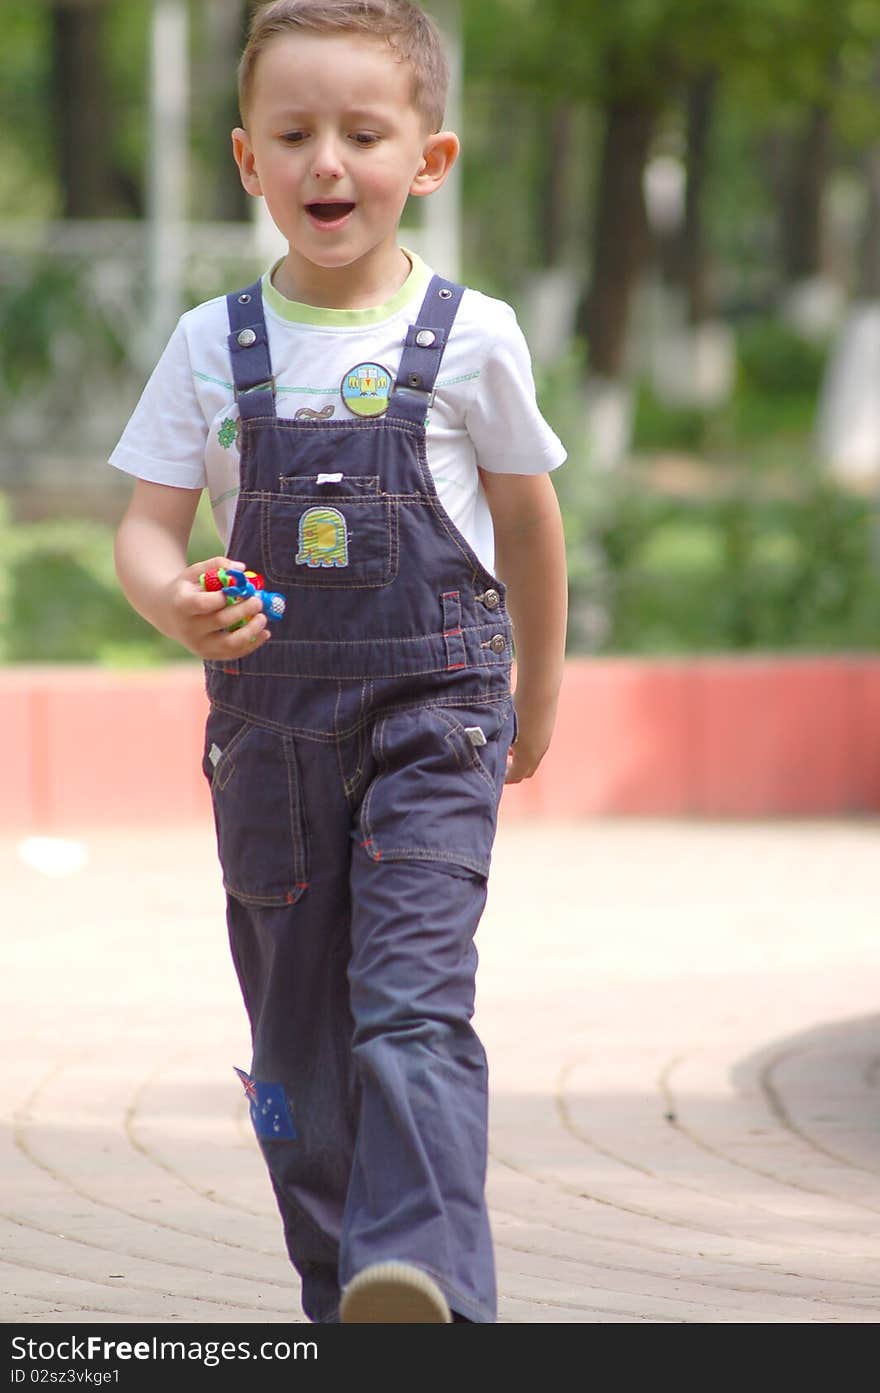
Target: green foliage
(658, 426)
(46, 303)
(63, 602)
(589, 48)
(771, 430)
(761, 552)
(60, 600)
(27, 175)
(743, 571)
(775, 359)
(779, 52)
(50, 317)
(770, 414)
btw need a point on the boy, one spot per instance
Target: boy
(357, 752)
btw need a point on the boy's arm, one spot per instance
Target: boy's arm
(150, 552)
(530, 559)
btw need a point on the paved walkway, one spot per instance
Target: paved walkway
(683, 1025)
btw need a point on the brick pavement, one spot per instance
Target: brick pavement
(683, 1027)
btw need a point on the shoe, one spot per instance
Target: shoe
(393, 1293)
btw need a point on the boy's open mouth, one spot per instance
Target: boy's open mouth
(329, 212)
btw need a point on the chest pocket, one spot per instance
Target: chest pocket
(328, 532)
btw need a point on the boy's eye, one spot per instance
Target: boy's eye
(364, 138)
(293, 137)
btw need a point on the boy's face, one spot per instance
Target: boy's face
(335, 145)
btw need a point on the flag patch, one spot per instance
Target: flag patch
(270, 1111)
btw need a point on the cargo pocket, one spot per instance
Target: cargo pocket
(258, 812)
(440, 774)
(481, 741)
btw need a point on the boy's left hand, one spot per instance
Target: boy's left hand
(532, 741)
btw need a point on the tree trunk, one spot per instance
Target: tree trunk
(81, 116)
(692, 258)
(620, 239)
(870, 260)
(802, 230)
(224, 24)
(554, 208)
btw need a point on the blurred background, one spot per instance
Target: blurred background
(681, 200)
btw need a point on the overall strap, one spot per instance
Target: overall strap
(423, 351)
(249, 353)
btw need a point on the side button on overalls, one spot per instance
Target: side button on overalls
(356, 761)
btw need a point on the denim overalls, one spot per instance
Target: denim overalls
(356, 761)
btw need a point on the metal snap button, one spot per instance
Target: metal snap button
(498, 643)
(244, 299)
(445, 294)
(414, 379)
(425, 337)
(491, 599)
(247, 337)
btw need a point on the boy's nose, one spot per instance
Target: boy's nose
(327, 163)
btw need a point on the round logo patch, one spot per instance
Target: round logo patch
(366, 389)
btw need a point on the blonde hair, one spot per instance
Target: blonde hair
(412, 36)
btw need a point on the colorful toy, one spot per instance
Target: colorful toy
(241, 585)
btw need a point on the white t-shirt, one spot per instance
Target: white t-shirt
(183, 430)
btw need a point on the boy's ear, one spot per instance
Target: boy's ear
(244, 158)
(438, 157)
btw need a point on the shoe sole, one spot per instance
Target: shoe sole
(393, 1293)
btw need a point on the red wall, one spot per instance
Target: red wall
(735, 736)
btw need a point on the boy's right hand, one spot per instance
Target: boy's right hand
(202, 618)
